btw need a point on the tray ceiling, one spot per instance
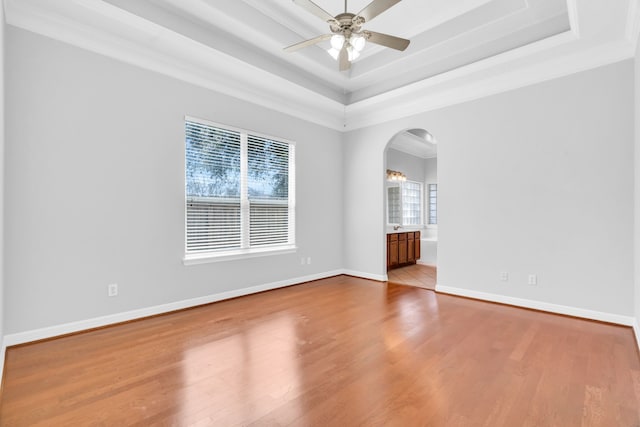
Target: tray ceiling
(460, 50)
(444, 35)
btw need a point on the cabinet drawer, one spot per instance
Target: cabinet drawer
(402, 236)
(392, 237)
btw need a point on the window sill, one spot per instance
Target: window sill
(205, 258)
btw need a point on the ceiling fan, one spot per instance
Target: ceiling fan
(347, 35)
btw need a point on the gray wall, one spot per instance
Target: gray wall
(411, 166)
(536, 180)
(637, 186)
(430, 172)
(2, 172)
(95, 194)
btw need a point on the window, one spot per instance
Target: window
(404, 203)
(433, 204)
(239, 191)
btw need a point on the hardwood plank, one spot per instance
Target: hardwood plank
(422, 276)
(339, 351)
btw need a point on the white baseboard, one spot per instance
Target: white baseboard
(96, 322)
(376, 277)
(539, 305)
(636, 330)
(425, 263)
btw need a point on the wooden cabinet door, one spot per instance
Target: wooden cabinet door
(392, 250)
(402, 248)
(392, 253)
(417, 246)
(411, 255)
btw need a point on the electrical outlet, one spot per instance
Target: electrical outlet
(309, 260)
(504, 276)
(112, 290)
(533, 280)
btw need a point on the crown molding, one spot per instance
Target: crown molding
(633, 22)
(411, 150)
(507, 72)
(574, 22)
(118, 34)
(100, 27)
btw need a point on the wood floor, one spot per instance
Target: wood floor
(336, 352)
(422, 276)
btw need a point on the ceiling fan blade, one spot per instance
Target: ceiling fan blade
(386, 40)
(306, 43)
(343, 59)
(375, 8)
(315, 9)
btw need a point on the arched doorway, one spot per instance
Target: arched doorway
(411, 194)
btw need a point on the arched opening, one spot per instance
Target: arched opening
(410, 203)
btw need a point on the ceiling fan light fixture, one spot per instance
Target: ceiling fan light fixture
(353, 53)
(335, 53)
(358, 41)
(349, 38)
(337, 41)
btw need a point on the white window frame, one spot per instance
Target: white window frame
(428, 205)
(422, 213)
(191, 258)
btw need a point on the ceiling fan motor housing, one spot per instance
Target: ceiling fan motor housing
(346, 23)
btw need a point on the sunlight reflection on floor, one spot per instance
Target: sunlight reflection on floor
(269, 349)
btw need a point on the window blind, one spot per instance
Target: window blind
(239, 190)
(268, 191)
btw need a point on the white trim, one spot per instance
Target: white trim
(118, 34)
(96, 322)
(425, 263)
(370, 276)
(538, 305)
(411, 152)
(633, 22)
(206, 122)
(125, 37)
(205, 258)
(636, 331)
(574, 21)
(111, 319)
(491, 63)
(427, 95)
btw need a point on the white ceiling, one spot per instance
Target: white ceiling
(460, 50)
(416, 142)
(444, 35)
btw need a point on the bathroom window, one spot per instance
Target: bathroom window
(404, 204)
(433, 204)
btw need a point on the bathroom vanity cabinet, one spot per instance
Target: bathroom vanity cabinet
(402, 248)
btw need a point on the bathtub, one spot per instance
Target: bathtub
(428, 251)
